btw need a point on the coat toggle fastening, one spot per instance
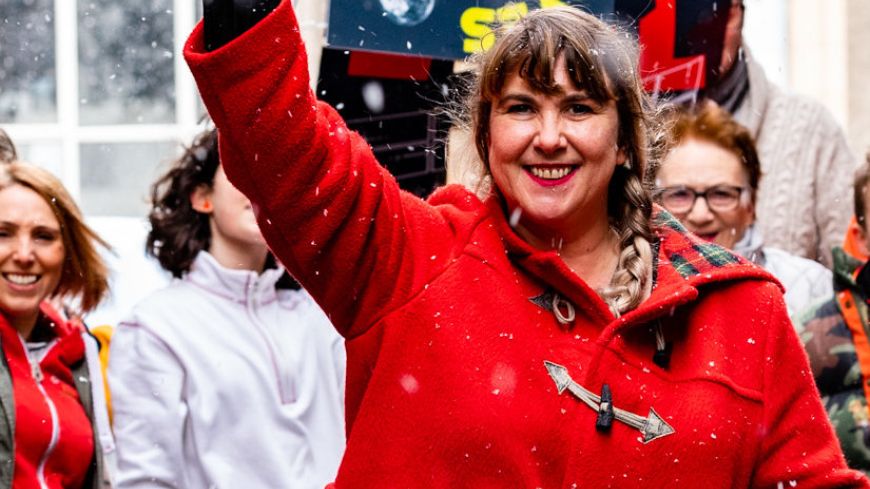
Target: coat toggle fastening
(652, 427)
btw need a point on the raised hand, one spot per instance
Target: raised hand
(224, 20)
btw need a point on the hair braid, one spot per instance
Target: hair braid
(628, 285)
(600, 60)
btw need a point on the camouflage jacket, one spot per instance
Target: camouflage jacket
(834, 333)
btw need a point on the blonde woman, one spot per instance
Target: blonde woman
(51, 398)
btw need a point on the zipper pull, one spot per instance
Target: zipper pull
(37, 372)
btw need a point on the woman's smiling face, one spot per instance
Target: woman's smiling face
(552, 155)
(700, 165)
(31, 254)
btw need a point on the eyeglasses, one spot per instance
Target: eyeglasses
(681, 199)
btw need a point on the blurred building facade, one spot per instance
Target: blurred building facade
(818, 49)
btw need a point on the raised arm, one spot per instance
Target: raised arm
(329, 211)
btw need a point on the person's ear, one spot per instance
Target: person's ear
(858, 236)
(621, 157)
(200, 199)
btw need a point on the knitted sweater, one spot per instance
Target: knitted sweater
(805, 193)
(459, 375)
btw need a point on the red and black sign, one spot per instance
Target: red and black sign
(391, 100)
(390, 97)
(681, 39)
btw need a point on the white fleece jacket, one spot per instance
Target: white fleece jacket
(222, 381)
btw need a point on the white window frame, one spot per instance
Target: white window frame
(67, 131)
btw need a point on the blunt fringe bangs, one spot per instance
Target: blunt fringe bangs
(599, 58)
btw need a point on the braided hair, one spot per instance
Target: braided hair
(602, 61)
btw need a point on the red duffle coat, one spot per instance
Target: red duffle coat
(448, 329)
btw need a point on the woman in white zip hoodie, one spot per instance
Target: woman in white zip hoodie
(231, 376)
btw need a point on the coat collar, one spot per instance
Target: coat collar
(235, 285)
(549, 268)
(684, 264)
(751, 245)
(696, 261)
(69, 349)
(845, 270)
(688, 264)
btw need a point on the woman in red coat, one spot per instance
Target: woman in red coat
(559, 332)
(50, 394)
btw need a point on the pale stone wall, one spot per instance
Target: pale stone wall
(859, 75)
(829, 60)
(819, 54)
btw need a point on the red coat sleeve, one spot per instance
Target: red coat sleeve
(328, 210)
(799, 447)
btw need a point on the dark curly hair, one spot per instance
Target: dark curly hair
(178, 232)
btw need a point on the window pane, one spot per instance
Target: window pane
(27, 75)
(116, 178)
(126, 62)
(45, 154)
(200, 105)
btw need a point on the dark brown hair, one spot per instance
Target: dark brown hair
(862, 178)
(84, 275)
(602, 61)
(178, 232)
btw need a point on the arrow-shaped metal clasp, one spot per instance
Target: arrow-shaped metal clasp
(652, 427)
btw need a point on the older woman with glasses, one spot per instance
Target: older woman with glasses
(709, 180)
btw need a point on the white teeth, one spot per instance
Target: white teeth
(551, 173)
(21, 279)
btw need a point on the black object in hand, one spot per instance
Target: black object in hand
(225, 20)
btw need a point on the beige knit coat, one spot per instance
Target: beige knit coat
(805, 194)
